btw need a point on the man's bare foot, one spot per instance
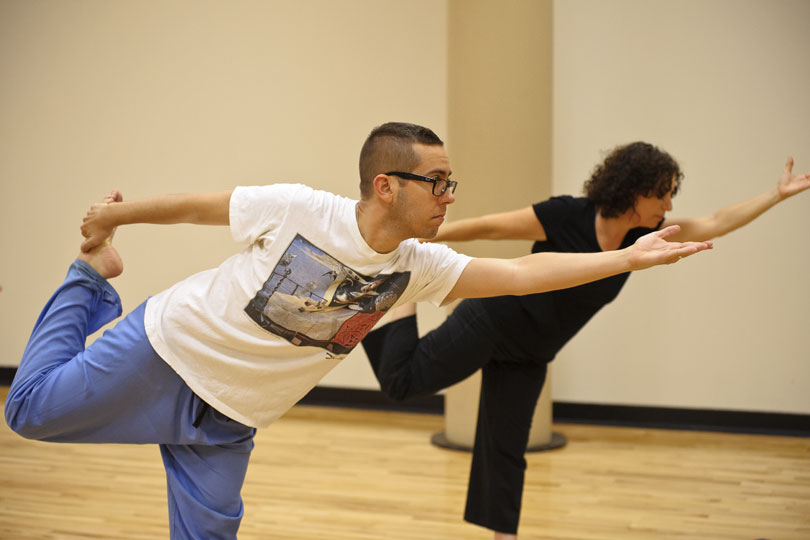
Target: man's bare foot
(114, 196)
(505, 536)
(105, 258)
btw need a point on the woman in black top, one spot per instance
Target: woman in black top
(511, 338)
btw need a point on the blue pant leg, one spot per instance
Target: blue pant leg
(119, 390)
(205, 481)
(81, 305)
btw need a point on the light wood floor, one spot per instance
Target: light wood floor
(331, 474)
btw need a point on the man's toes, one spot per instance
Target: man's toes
(114, 196)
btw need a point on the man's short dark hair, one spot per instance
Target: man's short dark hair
(389, 147)
(631, 170)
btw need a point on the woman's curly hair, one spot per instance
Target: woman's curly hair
(628, 171)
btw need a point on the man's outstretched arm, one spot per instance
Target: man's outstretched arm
(541, 272)
(200, 209)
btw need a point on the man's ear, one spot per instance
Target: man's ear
(384, 188)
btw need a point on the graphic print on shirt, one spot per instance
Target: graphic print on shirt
(313, 299)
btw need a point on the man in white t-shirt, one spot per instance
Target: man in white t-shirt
(198, 367)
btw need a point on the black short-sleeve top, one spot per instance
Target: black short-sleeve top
(538, 325)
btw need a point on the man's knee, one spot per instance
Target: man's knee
(17, 421)
(23, 420)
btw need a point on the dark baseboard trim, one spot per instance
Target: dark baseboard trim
(766, 423)
(7, 375)
(371, 399)
(793, 425)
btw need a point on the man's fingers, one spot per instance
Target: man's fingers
(87, 245)
(690, 248)
(700, 246)
(686, 251)
(668, 231)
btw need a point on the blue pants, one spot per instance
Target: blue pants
(119, 390)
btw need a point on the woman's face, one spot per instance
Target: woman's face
(651, 210)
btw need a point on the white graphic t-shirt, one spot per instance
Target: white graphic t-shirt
(254, 335)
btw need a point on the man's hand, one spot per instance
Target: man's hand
(653, 249)
(97, 225)
(790, 184)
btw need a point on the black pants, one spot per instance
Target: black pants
(407, 366)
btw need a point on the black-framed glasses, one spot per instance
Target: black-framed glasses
(440, 185)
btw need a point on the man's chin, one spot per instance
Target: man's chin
(428, 234)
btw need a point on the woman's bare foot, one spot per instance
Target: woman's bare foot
(505, 536)
(105, 258)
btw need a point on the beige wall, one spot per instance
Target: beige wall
(722, 85)
(160, 97)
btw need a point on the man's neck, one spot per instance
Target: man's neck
(373, 228)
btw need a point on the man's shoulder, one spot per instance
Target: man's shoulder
(289, 191)
(429, 252)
